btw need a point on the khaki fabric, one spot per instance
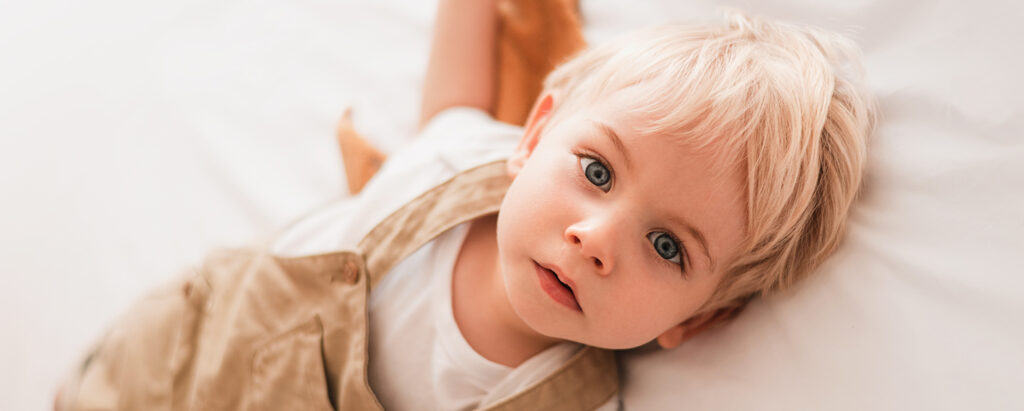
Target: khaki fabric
(253, 331)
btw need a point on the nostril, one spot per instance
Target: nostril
(575, 240)
(598, 263)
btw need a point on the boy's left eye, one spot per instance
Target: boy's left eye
(666, 246)
(597, 173)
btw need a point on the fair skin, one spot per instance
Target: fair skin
(619, 224)
(615, 241)
(461, 69)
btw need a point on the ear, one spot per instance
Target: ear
(696, 325)
(535, 123)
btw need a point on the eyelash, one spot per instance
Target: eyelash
(581, 173)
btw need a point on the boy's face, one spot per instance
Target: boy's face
(640, 229)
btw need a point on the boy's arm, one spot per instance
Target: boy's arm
(461, 69)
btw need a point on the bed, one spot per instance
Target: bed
(136, 136)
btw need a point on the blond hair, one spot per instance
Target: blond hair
(784, 102)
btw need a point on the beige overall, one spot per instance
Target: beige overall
(249, 330)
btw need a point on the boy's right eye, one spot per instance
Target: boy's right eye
(597, 173)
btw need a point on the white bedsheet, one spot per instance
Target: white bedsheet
(134, 136)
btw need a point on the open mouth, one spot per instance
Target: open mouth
(559, 291)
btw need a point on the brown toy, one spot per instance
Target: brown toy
(361, 159)
(533, 37)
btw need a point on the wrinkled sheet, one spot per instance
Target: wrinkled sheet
(135, 136)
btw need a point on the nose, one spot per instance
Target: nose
(594, 239)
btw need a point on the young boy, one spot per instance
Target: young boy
(661, 182)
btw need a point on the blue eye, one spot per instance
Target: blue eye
(666, 246)
(597, 173)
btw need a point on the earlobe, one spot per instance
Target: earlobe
(696, 325)
(535, 123)
(672, 337)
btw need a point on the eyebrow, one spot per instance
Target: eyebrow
(614, 137)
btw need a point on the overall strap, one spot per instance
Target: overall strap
(470, 194)
(587, 381)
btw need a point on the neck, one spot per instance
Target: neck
(480, 304)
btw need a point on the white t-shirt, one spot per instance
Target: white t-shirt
(419, 359)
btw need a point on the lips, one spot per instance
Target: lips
(553, 286)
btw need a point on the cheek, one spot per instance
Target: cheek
(536, 195)
(638, 308)
(633, 319)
